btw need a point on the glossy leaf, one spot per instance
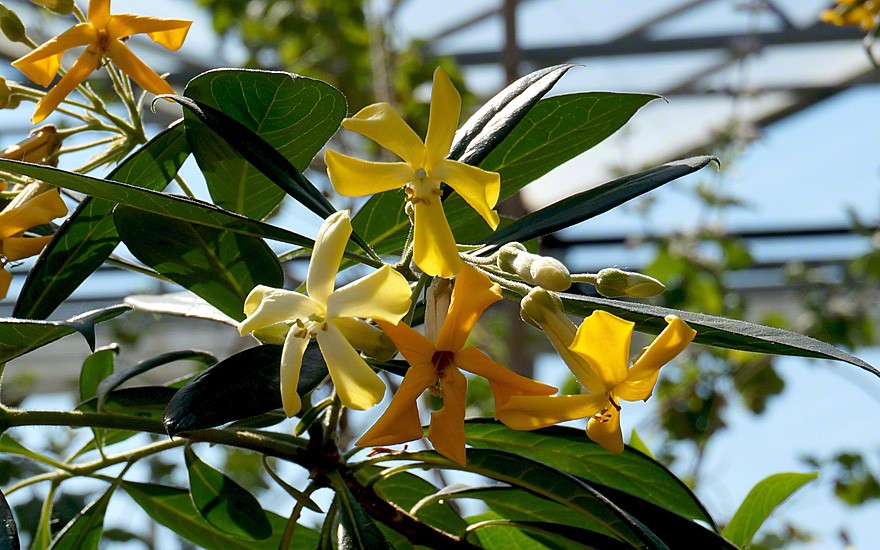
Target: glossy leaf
(8, 530)
(356, 530)
(274, 124)
(88, 237)
(715, 331)
(764, 497)
(172, 206)
(241, 386)
(113, 381)
(84, 531)
(224, 503)
(493, 530)
(181, 304)
(571, 451)
(217, 265)
(20, 336)
(589, 204)
(173, 508)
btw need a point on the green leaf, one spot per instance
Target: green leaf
(84, 531)
(219, 266)
(715, 331)
(764, 497)
(173, 508)
(141, 401)
(356, 530)
(224, 503)
(274, 124)
(241, 386)
(21, 336)
(589, 204)
(11, 446)
(494, 530)
(96, 367)
(172, 206)
(8, 530)
(87, 237)
(571, 451)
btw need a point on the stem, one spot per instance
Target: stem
(423, 281)
(183, 186)
(74, 148)
(332, 420)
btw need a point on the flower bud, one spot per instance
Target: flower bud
(61, 7)
(612, 283)
(11, 25)
(536, 270)
(40, 147)
(543, 309)
(5, 93)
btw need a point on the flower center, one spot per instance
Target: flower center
(423, 188)
(308, 328)
(605, 414)
(441, 360)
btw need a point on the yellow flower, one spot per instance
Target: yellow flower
(425, 166)
(103, 34)
(865, 13)
(597, 355)
(435, 366)
(333, 317)
(26, 210)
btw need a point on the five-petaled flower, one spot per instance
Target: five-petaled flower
(102, 35)
(598, 356)
(425, 166)
(435, 366)
(333, 317)
(28, 209)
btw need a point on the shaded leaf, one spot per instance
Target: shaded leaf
(141, 401)
(217, 265)
(8, 531)
(764, 497)
(224, 503)
(20, 336)
(241, 386)
(84, 531)
(356, 530)
(87, 237)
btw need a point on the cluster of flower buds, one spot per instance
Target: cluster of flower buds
(536, 270)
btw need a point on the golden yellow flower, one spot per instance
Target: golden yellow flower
(425, 166)
(103, 35)
(435, 366)
(597, 355)
(26, 210)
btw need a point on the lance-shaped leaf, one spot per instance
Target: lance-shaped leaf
(715, 331)
(88, 237)
(493, 530)
(224, 503)
(20, 336)
(180, 304)
(8, 530)
(356, 530)
(84, 531)
(241, 386)
(589, 204)
(764, 497)
(219, 266)
(293, 115)
(172, 206)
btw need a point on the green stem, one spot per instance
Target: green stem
(183, 186)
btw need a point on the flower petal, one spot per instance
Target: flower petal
(88, 61)
(329, 247)
(400, 422)
(37, 210)
(42, 64)
(5, 280)
(530, 412)
(355, 177)
(434, 249)
(357, 385)
(504, 382)
(265, 306)
(479, 188)
(643, 375)
(383, 294)
(606, 432)
(443, 120)
(366, 338)
(415, 348)
(381, 124)
(446, 432)
(472, 294)
(131, 65)
(169, 33)
(291, 364)
(603, 341)
(17, 248)
(99, 12)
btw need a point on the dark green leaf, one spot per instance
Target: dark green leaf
(715, 331)
(275, 121)
(589, 204)
(8, 531)
(111, 382)
(356, 530)
(764, 497)
(20, 336)
(571, 451)
(243, 385)
(224, 503)
(494, 530)
(499, 116)
(172, 206)
(87, 237)
(84, 531)
(219, 266)
(173, 508)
